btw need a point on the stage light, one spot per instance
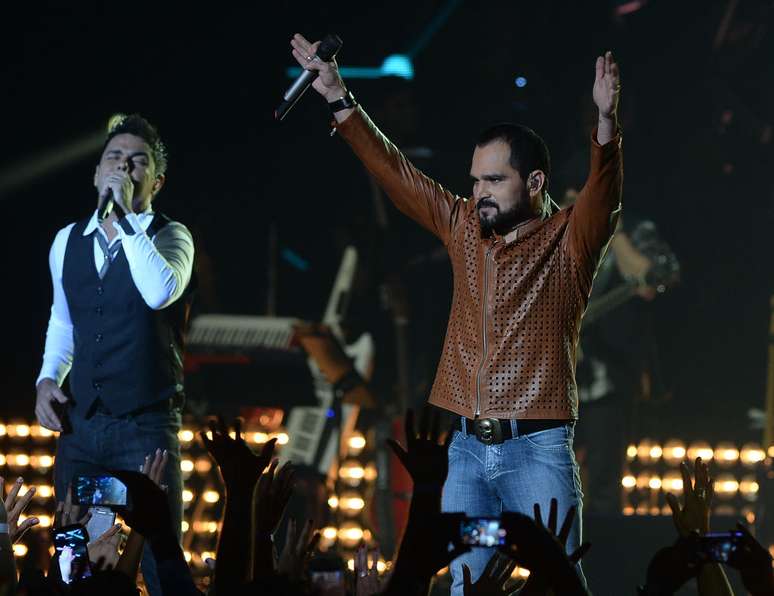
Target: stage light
(672, 482)
(519, 573)
(22, 430)
(749, 487)
(45, 461)
(44, 491)
(3, 430)
(726, 454)
(654, 483)
(381, 566)
(351, 472)
(2, 459)
(282, 438)
(631, 452)
(398, 65)
(521, 82)
(700, 449)
(333, 501)
(752, 454)
(19, 460)
(186, 465)
(351, 503)
(350, 534)
(643, 450)
(643, 480)
(187, 556)
(628, 482)
(45, 521)
(642, 509)
(260, 438)
(656, 451)
(207, 555)
(771, 450)
(370, 473)
(356, 443)
(726, 486)
(673, 452)
(203, 465)
(328, 537)
(187, 496)
(211, 496)
(185, 436)
(351, 564)
(628, 510)
(19, 550)
(185, 526)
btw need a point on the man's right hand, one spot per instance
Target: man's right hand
(48, 393)
(329, 83)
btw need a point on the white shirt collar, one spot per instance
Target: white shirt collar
(145, 218)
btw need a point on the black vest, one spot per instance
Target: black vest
(126, 354)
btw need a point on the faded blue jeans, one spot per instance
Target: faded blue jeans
(102, 442)
(485, 480)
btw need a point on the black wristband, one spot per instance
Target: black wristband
(344, 103)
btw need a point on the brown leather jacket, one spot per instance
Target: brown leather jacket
(518, 299)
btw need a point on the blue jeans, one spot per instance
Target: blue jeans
(485, 480)
(102, 442)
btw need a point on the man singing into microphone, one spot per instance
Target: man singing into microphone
(522, 277)
(121, 281)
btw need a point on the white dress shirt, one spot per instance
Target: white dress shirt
(160, 268)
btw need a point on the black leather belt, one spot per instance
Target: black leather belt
(493, 431)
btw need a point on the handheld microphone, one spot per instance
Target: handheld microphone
(329, 47)
(107, 205)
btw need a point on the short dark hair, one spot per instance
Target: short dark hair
(136, 125)
(528, 151)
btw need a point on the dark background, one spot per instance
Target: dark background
(697, 107)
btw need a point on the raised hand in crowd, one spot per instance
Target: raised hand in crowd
(431, 539)
(496, 576)
(367, 580)
(693, 517)
(538, 549)
(149, 515)
(538, 584)
(671, 567)
(426, 457)
(298, 548)
(238, 464)
(240, 468)
(754, 563)
(68, 513)
(271, 499)
(8, 577)
(15, 506)
(103, 551)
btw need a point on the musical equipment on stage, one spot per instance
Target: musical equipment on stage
(258, 359)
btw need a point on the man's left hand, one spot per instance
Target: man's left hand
(607, 86)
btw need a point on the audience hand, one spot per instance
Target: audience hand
(367, 581)
(425, 459)
(103, 552)
(14, 506)
(149, 513)
(297, 550)
(492, 581)
(694, 515)
(754, 563)
(537, 583)
(68, 513)
(672, 566)
(271, 497)
(239, 466)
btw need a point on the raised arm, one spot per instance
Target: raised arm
(592, 220)
(416, 195)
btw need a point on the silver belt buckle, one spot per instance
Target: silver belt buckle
(488, 431)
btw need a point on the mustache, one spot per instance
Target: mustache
(486, 203)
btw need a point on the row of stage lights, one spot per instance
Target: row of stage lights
(674, 451)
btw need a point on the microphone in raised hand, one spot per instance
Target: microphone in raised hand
(327, 50)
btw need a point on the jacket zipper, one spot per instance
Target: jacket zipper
(483, 330)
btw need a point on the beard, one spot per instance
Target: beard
(501, 221)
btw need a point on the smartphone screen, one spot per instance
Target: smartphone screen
(482, 531)
(106, 491)
(102, 519)
(70, 543)
(719, 546)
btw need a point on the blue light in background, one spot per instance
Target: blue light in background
(521, 82)
(398, 65)
(395, 65)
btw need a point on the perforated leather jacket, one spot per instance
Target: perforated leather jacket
(512, 335)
